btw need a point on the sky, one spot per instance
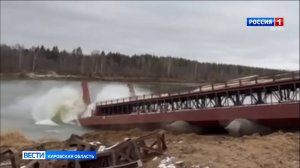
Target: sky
(213, 31)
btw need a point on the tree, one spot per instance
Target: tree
(54, 53)
(169, 66)
(195, 70)
(34, 62)
(102, 60)
(77, 51)
(43, 60)
(95, 54)
(20, 49)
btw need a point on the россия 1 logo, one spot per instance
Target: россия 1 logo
(265, 21)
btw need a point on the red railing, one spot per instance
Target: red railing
(250, 80)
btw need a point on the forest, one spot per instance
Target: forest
(42, 60)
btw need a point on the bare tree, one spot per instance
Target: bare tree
(169, 66)
(41, 60)
(95, 54)
(196, 70)
(34, 62)
(102, 60)
(20, 56)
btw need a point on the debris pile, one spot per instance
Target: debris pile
(170, 162)
(128, 153)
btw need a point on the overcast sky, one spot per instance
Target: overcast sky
(205, 31)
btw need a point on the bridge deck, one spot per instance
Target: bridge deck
(270, 100)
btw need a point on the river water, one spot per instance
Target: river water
(29, 106)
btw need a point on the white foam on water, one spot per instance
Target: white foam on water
(59, 105)
(110, 92)
(62, 104)
(113, 91)
(88, 112)
(53, 131)
(46, 122)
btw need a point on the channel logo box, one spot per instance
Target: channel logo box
(279, 21)
(265, 21)
(59, 155)
(33, 155)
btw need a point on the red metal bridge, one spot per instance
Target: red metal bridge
(270, 100)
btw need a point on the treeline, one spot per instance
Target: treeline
(41, 60)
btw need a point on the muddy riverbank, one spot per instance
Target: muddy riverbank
(276, 150)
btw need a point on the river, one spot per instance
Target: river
(29, 106)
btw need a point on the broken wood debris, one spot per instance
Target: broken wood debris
(129, 153)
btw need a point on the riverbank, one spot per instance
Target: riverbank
(55, 76)
(276, 150)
